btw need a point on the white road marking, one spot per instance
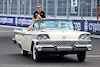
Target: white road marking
(6, 31)
(89, 56)
(93, 56)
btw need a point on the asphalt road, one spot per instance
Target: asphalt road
(10, 55)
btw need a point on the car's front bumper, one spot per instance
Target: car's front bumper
(67, 48)
(65, 45)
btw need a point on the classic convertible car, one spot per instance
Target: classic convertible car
(53, 36)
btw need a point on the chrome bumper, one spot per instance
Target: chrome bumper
(56, 48)
(67, 46)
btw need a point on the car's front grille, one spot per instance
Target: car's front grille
(63, 43)
(84, 43)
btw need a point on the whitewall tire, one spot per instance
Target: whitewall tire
(36, 55)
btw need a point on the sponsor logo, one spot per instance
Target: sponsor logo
(77, 24)
(86, 25)
(94, 26)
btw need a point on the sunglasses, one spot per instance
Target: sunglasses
(38, 7)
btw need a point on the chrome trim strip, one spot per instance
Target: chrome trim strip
(63, 40)
(83, 45)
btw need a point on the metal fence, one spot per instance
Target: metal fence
(51, 7)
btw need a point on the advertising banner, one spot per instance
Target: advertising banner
(94, 4)
(15, 21)
(21, 21)
(73, 5)
(5, 20)
(92, 26)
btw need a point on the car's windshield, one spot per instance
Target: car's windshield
(53, 24)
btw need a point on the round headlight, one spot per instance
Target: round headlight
(84, 36)
(87, 37)
(39, 38)
(42, 37)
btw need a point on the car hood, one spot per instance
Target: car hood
(62, 34)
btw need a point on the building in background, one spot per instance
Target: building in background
(73, 9)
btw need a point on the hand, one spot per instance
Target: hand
(38, 16)
(30, 27)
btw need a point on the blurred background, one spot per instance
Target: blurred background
(74, 9)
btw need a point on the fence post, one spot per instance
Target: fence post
(82, 9)
(68, 9)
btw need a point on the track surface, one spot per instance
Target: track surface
(10, 55)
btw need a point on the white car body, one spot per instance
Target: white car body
(59, 41)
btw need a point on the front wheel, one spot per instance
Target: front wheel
(36, 55)
(81, 56)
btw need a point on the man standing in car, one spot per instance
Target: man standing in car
(39, 14)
